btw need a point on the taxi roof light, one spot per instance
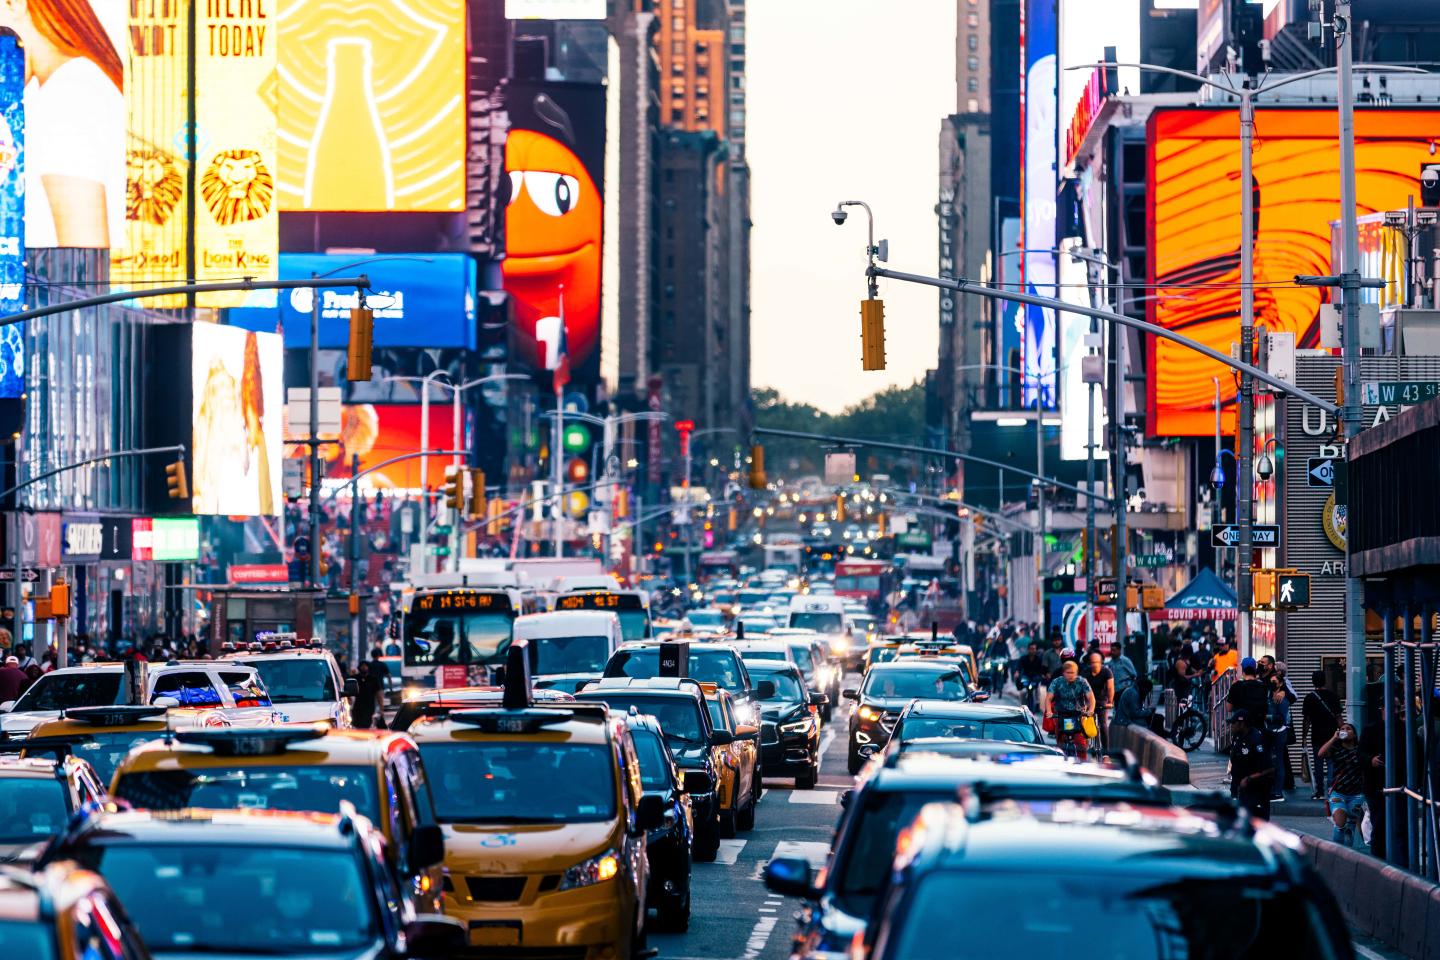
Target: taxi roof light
(112, 716)
(251, 741)
(529, 719)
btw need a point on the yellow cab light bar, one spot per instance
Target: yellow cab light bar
(250, 741)
(112, 716)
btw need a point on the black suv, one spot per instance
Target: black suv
(790, 723)
(887, 688)
(668, 845)
(678, 703)
(888, 796)
(717, 663)
(1033, 879)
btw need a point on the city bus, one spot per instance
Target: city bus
(631, 606)
(861, 580)
(454, 633)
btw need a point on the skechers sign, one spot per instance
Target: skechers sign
(86, 539)
(424, 300)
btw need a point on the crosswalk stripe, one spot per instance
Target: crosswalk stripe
(812, 850)
(729, 852)
(815, 796)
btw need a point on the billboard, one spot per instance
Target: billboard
(376, 432)
(12, 213)
(1193, 208)
(424, 300)
(555, 9)
(554, 157)
(237, 417)
(75, 118)
(372, 114)
(237, 222)
(1037, 189)
(157, 163)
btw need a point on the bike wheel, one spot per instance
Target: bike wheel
(1190, 731)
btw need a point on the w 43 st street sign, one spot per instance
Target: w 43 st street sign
(1261, 535)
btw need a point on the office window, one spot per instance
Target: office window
(972, 19)
(973, 41)
(972, 105)
(972, 85)
(973, 63)
(677, 24)
(678, 49)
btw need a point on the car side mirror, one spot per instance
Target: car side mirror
(433, 937)
(790, 877)
(819, 700)
(7, 706)
(351, 690)
(698, 781)
(649, 812)
(747, 731)
(427, 847)
(721, 738)
(850, 693)
(765, 689)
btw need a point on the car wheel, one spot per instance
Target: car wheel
(673, 912)
(728, 822)
(746, 818)
(854, 762)
(707, 841)
(807, 780)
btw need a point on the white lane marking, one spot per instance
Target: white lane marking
(826, 738)
(759, 936)
(815, 796)
(811, 850)
(729, 852)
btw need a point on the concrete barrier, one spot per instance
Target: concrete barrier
(1397, 908)
(1166, 761)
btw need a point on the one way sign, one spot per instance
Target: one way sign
(1321, 472)
(1261, 535)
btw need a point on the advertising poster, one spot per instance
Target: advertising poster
(372, 98)
(1193, 207)
(378, 431)
(238, 418)
(426, 300)
(156, 167)
(12, 213)
(555, 158)
(75, 121)
(237, 220)
(1038, 178)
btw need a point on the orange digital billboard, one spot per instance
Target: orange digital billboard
(372, 105)
(1193, 211)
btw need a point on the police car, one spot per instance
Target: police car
(303, 679)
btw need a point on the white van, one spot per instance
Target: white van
(569, 647)
(826, 615)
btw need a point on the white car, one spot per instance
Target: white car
(305, 684)
(234, 690)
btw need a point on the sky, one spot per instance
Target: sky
(844, 102)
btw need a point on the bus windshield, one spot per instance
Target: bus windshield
(440, 637)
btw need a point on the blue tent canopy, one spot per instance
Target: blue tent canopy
(1207, 597)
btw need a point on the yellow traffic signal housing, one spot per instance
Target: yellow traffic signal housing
(757, 468)
(1262, 589)
(60, 599)
(1152, 597)
(454, 489)
(354, 604)
(1132, 597)
(477, 492)
(362, 342)
(872, 334)
(175, 480)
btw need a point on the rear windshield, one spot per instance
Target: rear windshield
(866, 858)
(708, 666)
(912, 684)
(1013, 730)
(64, 690)
(679, 717)
(819, 622)
(32, 808)
(310, 789)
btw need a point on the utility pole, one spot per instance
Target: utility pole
(1121, 495)
(1244, 430)
(314, 435)
(557, 477)
(1039, 507)
(357, 618)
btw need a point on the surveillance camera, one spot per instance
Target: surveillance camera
(1430, 176)
(839, 215)
(1265, 469)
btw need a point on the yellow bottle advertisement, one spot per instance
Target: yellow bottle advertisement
(153, 248)
(236, 216)
(372, 105)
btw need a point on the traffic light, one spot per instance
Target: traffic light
(757, 468)
(872, 334)
(1132, 597)
(1152, 597)
(577, 470)
(176, 482)
(60, 599)
(454, 489)
(477, 493)
(362, 341)
(1262, 589)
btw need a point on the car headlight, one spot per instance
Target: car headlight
(869, 713)
(799, 726)
(586, 873)
(746, 713)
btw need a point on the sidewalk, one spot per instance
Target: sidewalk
(1298, 812)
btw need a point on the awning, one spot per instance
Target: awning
(1207, 597)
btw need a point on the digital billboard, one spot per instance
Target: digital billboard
(1038, 185)
(237, 417)
(156, 151)
(554, 156)
(75, 121)
(377, 432)
(1193, 208)
(420, 300)
(555, 9)
(12, 213)
(237, 222)
(372, 105)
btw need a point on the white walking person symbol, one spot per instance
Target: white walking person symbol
(1287, 590)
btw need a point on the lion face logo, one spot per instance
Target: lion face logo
(237, 187)
(153, 187)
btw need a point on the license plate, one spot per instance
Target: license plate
(495, 935)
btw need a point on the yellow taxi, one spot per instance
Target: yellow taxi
(959, 653)
(310, 769)
(38, 797)
(545, 819)
(64, 912)
(739, 788)
(103, 735)
(881, 652)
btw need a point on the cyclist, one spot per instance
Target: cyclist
(1071, 700)
(1030, 674)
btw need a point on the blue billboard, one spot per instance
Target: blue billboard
(12, 213)
(1038, 186)
(420, 300)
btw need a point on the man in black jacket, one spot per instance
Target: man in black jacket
(1249, 693)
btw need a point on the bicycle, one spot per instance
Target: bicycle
(1191, 726)
(1070, 737)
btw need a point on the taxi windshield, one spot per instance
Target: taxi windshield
(435, 638)
(570, 654)
(60, 691)
(708, 666)
(26, 938)
(1014, 731)
(31, 808)
(819, 622)
(312, 789)
(679, 716)
(502, 781)
(207, 898)
(298, 679)
(104, 751)
(912, 684)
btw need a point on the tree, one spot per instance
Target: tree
(896, 414)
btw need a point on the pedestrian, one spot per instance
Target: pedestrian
(1226, 658)
(1052, 658)
(1122, 668)
(1346, 800)
(13, 681)
(1132, 707)
(1102, 684)
(1277, 726)
(1319, 719)
(362, 711)
(379, 674)
(1251, 768)
(1248, 693)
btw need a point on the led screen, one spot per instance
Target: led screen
(238, 421)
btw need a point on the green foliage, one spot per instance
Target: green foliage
(896, 414)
